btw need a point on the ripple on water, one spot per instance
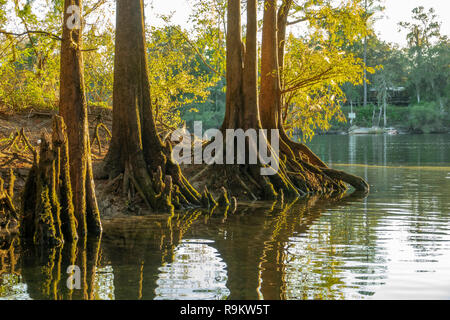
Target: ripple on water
(196, 272)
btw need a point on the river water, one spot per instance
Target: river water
(393, 244)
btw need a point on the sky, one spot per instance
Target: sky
(400, 10)
(386, 26)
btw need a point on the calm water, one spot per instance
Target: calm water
(394, 244)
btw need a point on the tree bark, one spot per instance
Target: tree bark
(234, 65)
(47, 206)
(270, 79)
(283, 13)
(73, 108)
(250, 81)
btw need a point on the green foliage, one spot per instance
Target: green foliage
(29, 61)
(209, 21)
(22, 86)
(422, 70)
(3, 16)
(177, 75)
(29, 66)
(426, 117)
(99, 62)
(211, 112)
(318, 65)
(424, 38)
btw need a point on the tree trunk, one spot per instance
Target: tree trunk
(438, 96)
(379, 115)
(270, 79)
(373, 116)
(283, 14)
(234, 65)
(282, 17)
(136, 149)
(418, 92)
(297, 174)
(298, 170)
(250, 75)
(365, 61)
(73, 108)
(59, 193)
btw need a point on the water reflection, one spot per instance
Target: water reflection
(393, 244)
(411, 150)
(45, 270)
(196, 272)
(11, 286)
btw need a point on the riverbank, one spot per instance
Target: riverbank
(14, 153)
(416, 119)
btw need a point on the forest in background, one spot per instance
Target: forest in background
(323, 73)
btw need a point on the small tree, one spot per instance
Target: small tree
(421, 33)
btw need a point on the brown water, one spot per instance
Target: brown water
(394, 244)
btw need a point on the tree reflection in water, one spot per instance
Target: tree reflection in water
(44, 269)
(189, 255)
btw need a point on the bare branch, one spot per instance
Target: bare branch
(303, 19)
(51, 35)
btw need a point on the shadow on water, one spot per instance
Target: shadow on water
(189, 255)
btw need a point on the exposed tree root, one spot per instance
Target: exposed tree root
(313, 163)
(16, 148)
(358, 183)
(8, 213)
(18, 141)
(96, 137)
(163, 189)
(300, 173)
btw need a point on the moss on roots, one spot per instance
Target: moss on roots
(47, 208)
(300, 173)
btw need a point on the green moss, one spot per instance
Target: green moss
(45, 231)
(68, 221)
(56, 208)
(211, 202)
(12, 180)
(223, 200)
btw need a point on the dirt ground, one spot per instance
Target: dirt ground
(16, 155)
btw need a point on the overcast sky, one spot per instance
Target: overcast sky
(386, 27)
(400, 10)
